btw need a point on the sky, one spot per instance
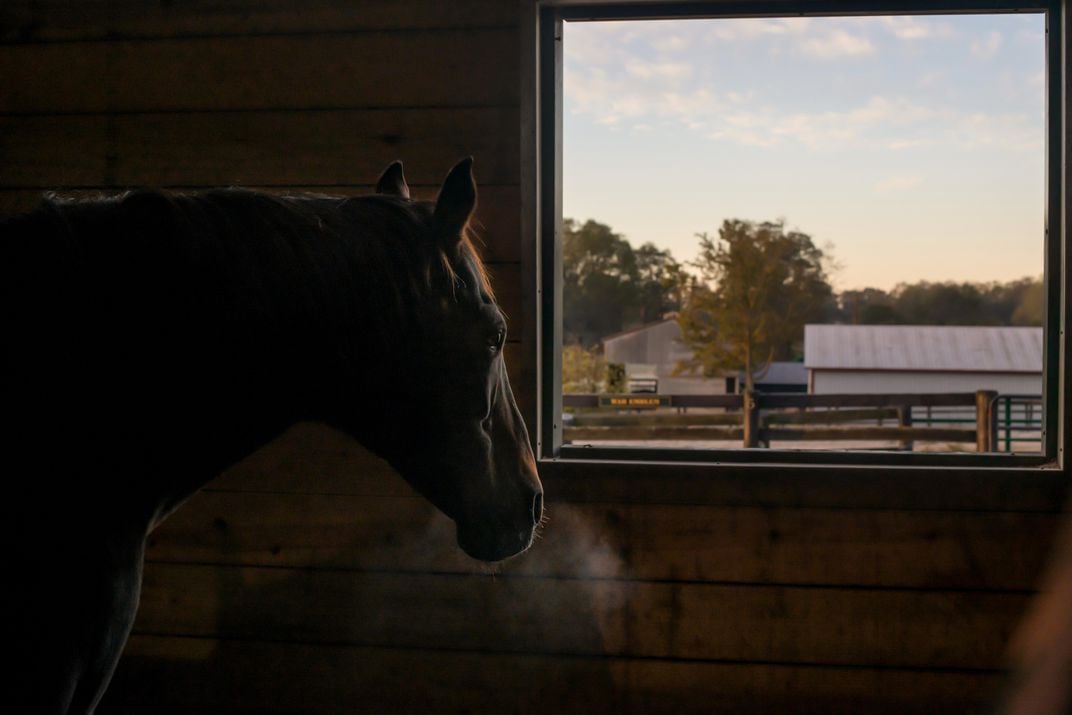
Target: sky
(912, 147)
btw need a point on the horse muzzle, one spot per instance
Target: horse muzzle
(498, 540)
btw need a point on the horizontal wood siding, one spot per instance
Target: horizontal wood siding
(628, 617)
(195, 675)
(310, 578)
(744, 545)
(55, 20)
(268, 148)
(303, 72)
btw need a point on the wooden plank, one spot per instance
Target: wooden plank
(475, 67)
(403, 532)
(661, 419)
(643, 434)
(637, 433)
(804, 485)
(924, 629)
(867, 400)
(864, 432)
(497, 220)
(732, 402)
(255, 148)
(162, 674)
(1041, 650)
(831, 416)
(36, 20)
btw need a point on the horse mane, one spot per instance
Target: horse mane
(386, 236)
(468, 247)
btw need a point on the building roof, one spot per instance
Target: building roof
(646, 327)
(938, 348)
(657, 344)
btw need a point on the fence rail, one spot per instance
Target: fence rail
(996, 421)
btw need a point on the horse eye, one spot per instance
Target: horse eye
(495, 344)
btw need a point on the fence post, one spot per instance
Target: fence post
(904, 419)
(985, 421)
(1008, 425)
(751, 418)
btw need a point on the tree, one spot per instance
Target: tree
(608, 286)
(1016, 302)
(660, 282)
(867, 306)
(761, 285)
(926, 303)
(1030, 303)
(583, 370)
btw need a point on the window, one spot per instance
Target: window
(697, 161)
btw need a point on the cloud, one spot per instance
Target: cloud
(798, 34)
(658, 70)
(816, 130)
(837, 44)
(615, 83)
(644, 93)
(897, 144)
(899, 183)
(913, 28)
(667, 95)
(986, 47)
(738, 30)
(670, 43)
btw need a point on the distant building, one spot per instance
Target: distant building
(650, 353)
(923, 358)
(780, 377)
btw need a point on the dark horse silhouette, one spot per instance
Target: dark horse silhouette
(152, 340)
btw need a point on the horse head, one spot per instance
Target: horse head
(459, 438)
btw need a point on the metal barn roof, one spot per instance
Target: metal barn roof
(944, 348)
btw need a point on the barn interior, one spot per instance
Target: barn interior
(310, 578)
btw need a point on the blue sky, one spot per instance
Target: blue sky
(913, 145)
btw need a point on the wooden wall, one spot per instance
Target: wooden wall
(311, 579)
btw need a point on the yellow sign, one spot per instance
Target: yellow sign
(634, 402)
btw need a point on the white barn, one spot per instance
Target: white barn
(923, 358)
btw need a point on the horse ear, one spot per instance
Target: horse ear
(392, 182)
(456, 201)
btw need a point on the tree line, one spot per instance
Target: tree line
(751, 290)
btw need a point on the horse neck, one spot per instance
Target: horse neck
(314, 320)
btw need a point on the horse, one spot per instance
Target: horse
(153, 339)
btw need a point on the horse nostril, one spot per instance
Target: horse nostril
(537, 509)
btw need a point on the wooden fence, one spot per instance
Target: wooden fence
(757, 418)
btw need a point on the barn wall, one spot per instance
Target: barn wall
(869, 381)
(310, 578)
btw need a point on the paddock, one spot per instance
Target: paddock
(310, 578)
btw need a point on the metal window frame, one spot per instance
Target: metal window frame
(541, 197)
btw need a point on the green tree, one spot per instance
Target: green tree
(761, 284)
(949, 303)
(608, 286)
(867, 306)
(1017, 302)
(583, 370)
